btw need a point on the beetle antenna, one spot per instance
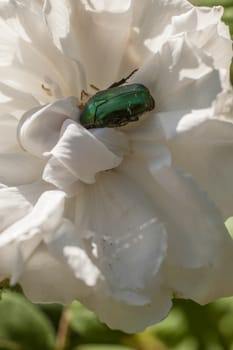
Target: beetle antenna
(122, 81)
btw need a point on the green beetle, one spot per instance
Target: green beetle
(116, 106)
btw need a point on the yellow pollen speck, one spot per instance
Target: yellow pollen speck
(47, 90)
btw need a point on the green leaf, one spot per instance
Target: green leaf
(88, 327)
(225, 3)
(53, 312)
(5, 286)
(101, 347)
(228, 18)
(23, 326)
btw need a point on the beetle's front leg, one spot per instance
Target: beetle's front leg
(83, 99)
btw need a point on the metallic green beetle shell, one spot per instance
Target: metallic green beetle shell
(116, 106)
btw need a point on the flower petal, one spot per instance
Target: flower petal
(11, 96)
(45, 216)
(130, 225)
(26, 234)
(16, 202)
(78, 156)
(129, 318)
(66, 244)
(19, 169)
(194, 224)
(8, 129)
(151, 20)
(180, 72)
(34, 63)
(108, 21)
(195, 227)
(208, 142)
(206, 30)
(39, 129)
(207, 283)
(197, 22)
(43, 265)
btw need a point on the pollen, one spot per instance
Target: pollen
(47, 90)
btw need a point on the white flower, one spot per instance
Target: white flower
(125, 218)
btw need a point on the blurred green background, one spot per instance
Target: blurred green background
(24, 326)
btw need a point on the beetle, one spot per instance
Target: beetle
(117, 105)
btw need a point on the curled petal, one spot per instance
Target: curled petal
(39, 129)
(43, 265)
(78, 156)
(45, 216)
(180, 72)
(205, 30)
(17, 202)
(25, 234)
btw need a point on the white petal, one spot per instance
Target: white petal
(180, 73)
(43, 288)
(16, 202)
(79, 154)
(125, 237)
(26, 234)
(107, 5)
(205, 30)
(196, 230)
(7, 132)
(13, 100)
(151, 21)
(13, 206)
(67, 245)
(129, 318)
(209, 148)
(19, 169)
(203, 26)
(101, 53)
(48, 73)
(152, 17)
(205, 284)
(194, 225)
(45, 216)
(39, 129)
(116, 141)
(223, 106)
(12, 259)
(21, 252)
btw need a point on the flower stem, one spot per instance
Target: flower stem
(63, 330)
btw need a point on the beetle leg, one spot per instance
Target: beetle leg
(122, 81)
(84, 93)
(94, 87)
(83, 99)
